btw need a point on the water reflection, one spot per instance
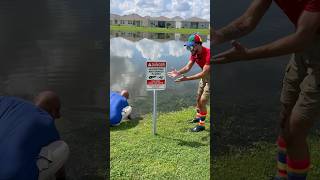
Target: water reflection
(136, 36)
(127, 68)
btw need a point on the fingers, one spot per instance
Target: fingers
(223, 54)
(237, 45)
(221, 60)
(180, 79)
(177, 80)
(170, 74)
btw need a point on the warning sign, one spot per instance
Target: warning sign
(156, 75)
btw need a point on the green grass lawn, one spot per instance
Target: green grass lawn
(258, 163)
(158, 30)
(175, 153)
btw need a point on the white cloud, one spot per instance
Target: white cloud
(150, 49)
(126, 47)
(169, 8)
(175, 48)
(185, 6)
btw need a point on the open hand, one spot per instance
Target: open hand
(174, 73)
(237, 53)
(182, 78)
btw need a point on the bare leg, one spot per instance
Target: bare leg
(202, 105)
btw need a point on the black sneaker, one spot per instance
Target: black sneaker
(195, 120)
(198, 128)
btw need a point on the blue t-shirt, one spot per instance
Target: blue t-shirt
(117, 103)
(24, 130)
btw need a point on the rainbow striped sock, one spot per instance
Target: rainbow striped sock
(281, 159)
(202, 116)
(298, 169)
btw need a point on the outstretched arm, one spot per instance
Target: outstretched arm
(308, 25)
(242, 25)
(203, 73)
(183, 70)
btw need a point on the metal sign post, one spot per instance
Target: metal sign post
(155, 80)
(154, 118)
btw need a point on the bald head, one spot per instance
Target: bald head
(125, 94)
(49, 101)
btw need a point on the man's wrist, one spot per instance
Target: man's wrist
(217, 39)
(252, 53)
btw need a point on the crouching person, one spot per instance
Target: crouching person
(30, 145)
(119, 107)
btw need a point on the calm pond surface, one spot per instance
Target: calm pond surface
(128, 53)
(50, 45)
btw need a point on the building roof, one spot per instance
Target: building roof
(112, 16)
(196, 19)
(161, 18)
(177, 18)
(132, 17)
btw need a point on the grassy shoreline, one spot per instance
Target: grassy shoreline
(175, 153)
(158, 30)
(259, 162)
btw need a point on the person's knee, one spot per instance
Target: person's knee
(52, 159)
(202, 102)
(59, 150)
(64, 149)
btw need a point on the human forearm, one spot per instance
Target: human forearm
(307, 28)
(205, 71)
(242, 25)
(283, 46)
(184, 70)
(234, 30)
(196, 76)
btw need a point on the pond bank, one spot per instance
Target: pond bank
(159, 30)
(173, 154)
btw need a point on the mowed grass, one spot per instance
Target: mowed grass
(175, 153)
(158, 30)
(258, 163)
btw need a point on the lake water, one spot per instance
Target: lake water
(128, 53)
(54, 45)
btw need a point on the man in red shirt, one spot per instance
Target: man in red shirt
(300, 96)
(201, 56)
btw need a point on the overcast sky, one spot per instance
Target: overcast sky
(168, 8)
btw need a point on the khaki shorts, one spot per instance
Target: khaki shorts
(301, 83)
(51, 158)
(204, 87)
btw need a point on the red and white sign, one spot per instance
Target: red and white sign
(156, 75)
